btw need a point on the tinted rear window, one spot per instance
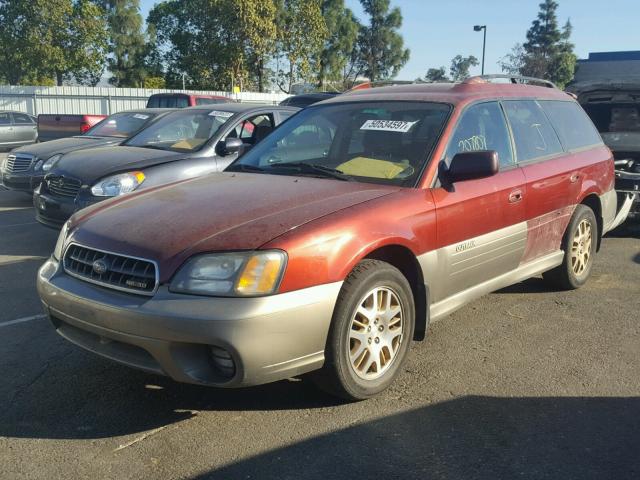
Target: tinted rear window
(177, 101)
(574, 127)
(533, 134)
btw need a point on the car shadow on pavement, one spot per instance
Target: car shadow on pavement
(76, 395)
(470, 437)
(531, 285)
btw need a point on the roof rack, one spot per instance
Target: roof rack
(512, 78)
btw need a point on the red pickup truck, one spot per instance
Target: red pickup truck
(52, 126)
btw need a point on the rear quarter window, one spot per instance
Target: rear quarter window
(572, 124)
(532, 132)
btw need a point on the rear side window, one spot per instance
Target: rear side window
(532, 133)
(482, 127)
(574, 127)
(5, 119)
(22, 119)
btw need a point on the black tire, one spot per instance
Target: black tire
(338, 377)
(564, 276)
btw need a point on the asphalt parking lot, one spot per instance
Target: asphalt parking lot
(524, 383)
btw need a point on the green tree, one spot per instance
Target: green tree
(548, 52)
(59, 40)
(343, 27)
(126, 43)
(460, 67)
(302, 32)
(436, 75)
(214, 43)
(381, 46)
(249, 38)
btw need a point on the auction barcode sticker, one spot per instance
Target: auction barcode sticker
(388, 125)
(218, 113)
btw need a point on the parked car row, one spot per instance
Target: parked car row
(178, 145)
(17, 128)
(25, 167)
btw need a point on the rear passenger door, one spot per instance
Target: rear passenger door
(480, 223)
(6, 128)
(24, 128)
(551, 180)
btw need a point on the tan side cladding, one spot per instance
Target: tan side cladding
(462, 265)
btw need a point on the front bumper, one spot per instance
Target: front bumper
(22, 182)
(268, 338)
(53, 211)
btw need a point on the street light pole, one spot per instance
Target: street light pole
(183, 82)
(477, 28)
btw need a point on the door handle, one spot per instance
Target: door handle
(574, 177)
(515, 196)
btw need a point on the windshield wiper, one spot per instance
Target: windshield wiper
(153, 147)
(243, 167)
(315, 169)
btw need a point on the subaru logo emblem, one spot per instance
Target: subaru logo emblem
(99, 266)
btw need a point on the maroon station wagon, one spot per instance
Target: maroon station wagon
(331, 244)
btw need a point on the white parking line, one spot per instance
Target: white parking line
(22, 320)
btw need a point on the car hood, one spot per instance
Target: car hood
(95, 163)
(65, 145)
(217, 212)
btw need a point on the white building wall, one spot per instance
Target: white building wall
(101, 100)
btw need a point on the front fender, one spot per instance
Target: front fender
(327, 249)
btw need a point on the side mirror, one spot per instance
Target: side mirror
(473, 165)
(231, 146)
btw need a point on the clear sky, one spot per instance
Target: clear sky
(437, 30)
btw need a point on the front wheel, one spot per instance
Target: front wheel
(370, 334)
(579, 245)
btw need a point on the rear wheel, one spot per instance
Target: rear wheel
(579, 245)
(370, 333)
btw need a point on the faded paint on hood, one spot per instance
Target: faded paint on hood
(219, 212)
(96, 163)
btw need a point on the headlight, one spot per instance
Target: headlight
(57, 252)
(241, 274)
(118, 184)
(48, 165)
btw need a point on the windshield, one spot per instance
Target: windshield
(381, 142)
(182, 131)
(121, 125)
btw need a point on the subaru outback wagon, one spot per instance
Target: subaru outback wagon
(330, 245)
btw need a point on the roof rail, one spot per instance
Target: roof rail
(512, 78)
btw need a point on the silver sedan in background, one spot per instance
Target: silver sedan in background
(16, 129)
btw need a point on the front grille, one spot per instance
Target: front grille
(128, 274)
(63, 186)
(18, 163)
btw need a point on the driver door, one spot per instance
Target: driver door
(481, 228)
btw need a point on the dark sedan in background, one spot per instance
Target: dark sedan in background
(183, 144)
(25, 167)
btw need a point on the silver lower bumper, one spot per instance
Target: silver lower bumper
(269, 338)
